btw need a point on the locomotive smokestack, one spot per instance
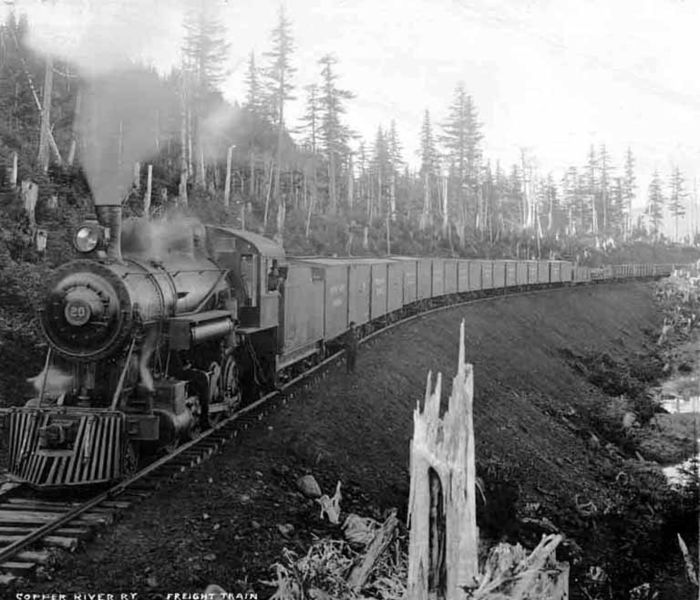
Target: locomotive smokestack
(111, 217)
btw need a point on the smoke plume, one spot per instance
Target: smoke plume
(159, 238)
(101, 39)
(118, 128)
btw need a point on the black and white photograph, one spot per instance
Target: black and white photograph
(349, 300)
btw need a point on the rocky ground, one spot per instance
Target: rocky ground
(548, 449)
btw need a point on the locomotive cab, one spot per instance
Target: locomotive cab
(251, 259)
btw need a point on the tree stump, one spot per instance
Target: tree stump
(442, 506)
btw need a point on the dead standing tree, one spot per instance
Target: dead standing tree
(442, 506)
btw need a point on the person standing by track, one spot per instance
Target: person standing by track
(351, 343)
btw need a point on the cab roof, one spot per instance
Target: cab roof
(262, 245)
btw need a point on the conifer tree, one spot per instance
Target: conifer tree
(204, 55)
(617, 206)
(571, 200)
(395, 165)
(254, 100)
(655, 205)
(676, 198)
(381, 169)
(428, 168)
(591, 191)
(629, 186)
(462, 141)
(334, 134)
(605, 170)
(279, 76)
(311, 119)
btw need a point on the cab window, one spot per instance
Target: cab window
(248, 276)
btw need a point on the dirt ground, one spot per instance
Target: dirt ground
(221, 523)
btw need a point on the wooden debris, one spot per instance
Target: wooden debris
(331, 506)
(24, 569)
(358, 530)
(543, 523)
(509, 572)
(360, 573)
(689, 567)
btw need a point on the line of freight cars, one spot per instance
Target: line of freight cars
(322, 296)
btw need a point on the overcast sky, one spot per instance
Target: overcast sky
(552, 76)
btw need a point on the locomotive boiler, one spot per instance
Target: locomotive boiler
(145, 346)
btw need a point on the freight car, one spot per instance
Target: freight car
(163, 328)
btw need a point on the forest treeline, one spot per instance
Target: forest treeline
(314, 184)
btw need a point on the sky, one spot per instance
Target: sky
(548, 76)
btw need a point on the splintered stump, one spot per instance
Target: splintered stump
(443, 542)
(442, 506)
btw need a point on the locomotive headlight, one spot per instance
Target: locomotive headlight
(86, 238)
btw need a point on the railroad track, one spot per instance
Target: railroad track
(33, 529)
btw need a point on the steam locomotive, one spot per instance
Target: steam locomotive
(162, 328)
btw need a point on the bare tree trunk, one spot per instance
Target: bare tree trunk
(184, 149)
(147, 195)
(351, 182)
(388, 234)
(251, 183)
(380, 199)
(368, 191)
(281, 216)
(13, 172)
(227, 185)
(331, 183)
(278, 160)
(423, 223)
(46, 116)
(51, 139)
(137, 176)
(445, 206)
(30, 194)
(201, 177)
(605, 209)
(594, 215)
(308, 214)
(120, 147)
(190, 153)
(157, 131)
(267, 196)
(74, 127)
(305, 190)
(392, 196)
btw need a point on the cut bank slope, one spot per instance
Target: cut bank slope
(222, 522)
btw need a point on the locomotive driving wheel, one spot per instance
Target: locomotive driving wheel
(230, 384)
